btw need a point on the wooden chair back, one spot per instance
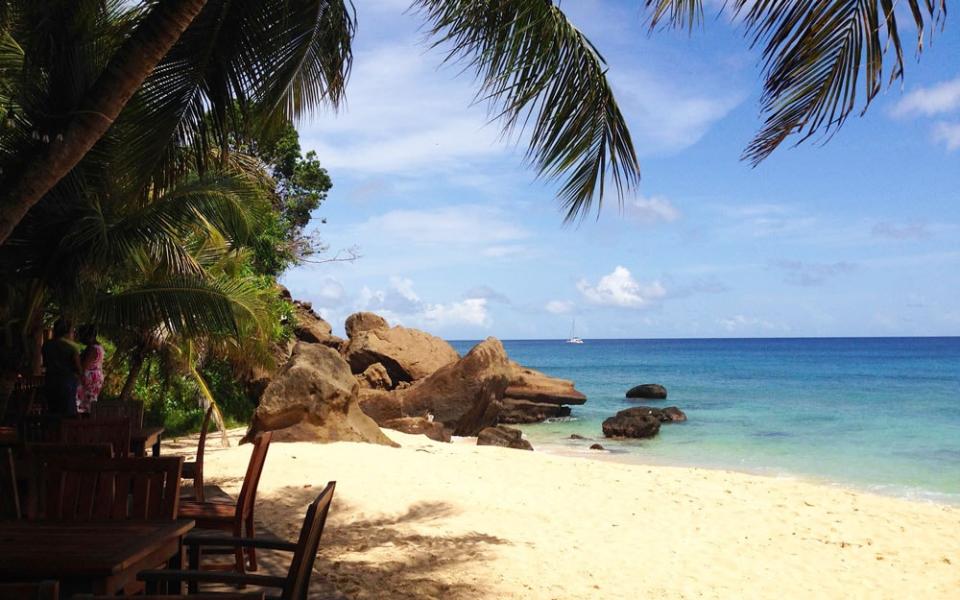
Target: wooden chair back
(251, 480)
(196, 468)
(115, 431)
(297, 586)
(9, 492)
(45, 590)
(40, 428)
(113, 488)
(43, 452)
(119, 409)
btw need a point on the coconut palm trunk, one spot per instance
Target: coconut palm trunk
(121, 78)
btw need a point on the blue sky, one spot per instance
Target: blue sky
(858, 237)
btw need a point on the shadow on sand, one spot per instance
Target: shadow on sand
(342, 570)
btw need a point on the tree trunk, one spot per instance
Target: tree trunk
(136, 364)
(122, 77)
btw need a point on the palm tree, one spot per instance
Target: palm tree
(178, 61)
(815, 53)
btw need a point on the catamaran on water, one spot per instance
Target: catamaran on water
(573, 336)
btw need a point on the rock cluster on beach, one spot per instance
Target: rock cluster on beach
(330, 389)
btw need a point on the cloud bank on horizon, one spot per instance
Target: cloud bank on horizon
(855, 237)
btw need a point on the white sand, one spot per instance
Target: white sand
(432, 520)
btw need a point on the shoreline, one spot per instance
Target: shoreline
(432, 520)
(908, 493)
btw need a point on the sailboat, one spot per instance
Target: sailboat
(573, 336)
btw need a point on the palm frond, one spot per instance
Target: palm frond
(681, 14)
(535, 68)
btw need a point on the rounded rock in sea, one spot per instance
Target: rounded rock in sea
(648, 391)
(597, 447)
(576, 436)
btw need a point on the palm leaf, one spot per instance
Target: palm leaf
(540, 73)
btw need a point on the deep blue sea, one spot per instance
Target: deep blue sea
(881, 414)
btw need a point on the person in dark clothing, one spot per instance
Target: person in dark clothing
(61, 359)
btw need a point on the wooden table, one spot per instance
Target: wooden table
(99, 557)
(141, 438)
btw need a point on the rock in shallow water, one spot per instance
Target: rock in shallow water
(632, 423)
(649, 391)
(670, 414)
(597, 447)
(506, 437)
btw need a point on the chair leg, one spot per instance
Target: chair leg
(238, 553)
(251, 552)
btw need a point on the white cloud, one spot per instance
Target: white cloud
(400, 303)
(666, 116)
(652, 209)
(940, 98)
(472, 311)
(619, 288)
(812, 274)
(328, 291)
(741, 322)
(947, 134)
(460, 224)
(559, 307)
(901, 231)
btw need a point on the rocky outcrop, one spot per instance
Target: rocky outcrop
(311, 328)
(670, 414)
(375, 377)
(408, 355)
(596, 447)
(465, 396)
(522, 411)
(314, 397)
(533, 396)
(359, 322)
(419, 425)
(501, 435)
(635, 422)
(648, 391)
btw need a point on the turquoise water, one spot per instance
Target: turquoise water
(875, 413)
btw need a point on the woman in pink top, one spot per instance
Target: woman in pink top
(91, 361)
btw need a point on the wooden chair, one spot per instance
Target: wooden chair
(119, 409)
(234, 517)
(9, 492)
(113, 489)
(193, 470)
(295, 586)
(38, 455)
(115, 431)
(214, 596)
(44, 590)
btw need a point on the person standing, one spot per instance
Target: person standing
(91, 362)
(61, 360)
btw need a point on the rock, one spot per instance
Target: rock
(670, 414)
(375, 377)
(523, 411)
(464, 396)
(314, 396)
(420, 425)
(597, 447)
(534, 386)
(364, 321)
(649, 391)
(574, 436)
(310, 327)
(632, 423)
(506, 437)
(407, 354)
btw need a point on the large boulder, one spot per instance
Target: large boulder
(503, 436)
(407, 354)
(648, 391)
(314, 398)
(375, 377)
(364, 321)
(524, 411)
(311, 328)
(419, 425)
(635, 422)
(534, 386)
(465, 396)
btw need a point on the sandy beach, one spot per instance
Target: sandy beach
(433, 520)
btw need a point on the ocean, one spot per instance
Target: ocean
(880, 414)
